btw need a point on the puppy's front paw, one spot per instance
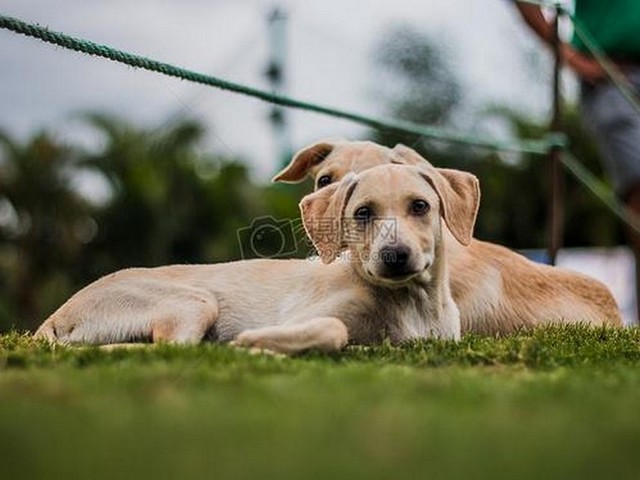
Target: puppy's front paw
(246, 340)
(254, 344)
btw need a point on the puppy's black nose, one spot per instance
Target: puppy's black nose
(395, 259)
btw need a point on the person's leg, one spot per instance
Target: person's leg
(616, 126)
(633, 237)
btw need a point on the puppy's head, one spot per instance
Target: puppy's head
(329, 161)
(389, 218)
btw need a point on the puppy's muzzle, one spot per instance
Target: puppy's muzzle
(396, 262)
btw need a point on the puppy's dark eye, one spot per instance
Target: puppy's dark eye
(363, 214)
(323, 181)
(419, 207)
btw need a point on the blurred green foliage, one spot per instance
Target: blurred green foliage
(163, 201)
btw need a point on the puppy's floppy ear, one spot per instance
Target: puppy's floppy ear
(322, 216)
(408, 156)
(303, 161)
(459, 194)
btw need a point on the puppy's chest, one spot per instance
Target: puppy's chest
(397, 319)
(413, 321)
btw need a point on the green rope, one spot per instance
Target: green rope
(601, 191)
(539, 147)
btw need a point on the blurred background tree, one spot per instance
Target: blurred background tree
(415, 82)
(166, 202)
(41, 219)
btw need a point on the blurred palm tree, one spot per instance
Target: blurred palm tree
(416, 82)
(42, 220)
(165, 201)
(170, 202)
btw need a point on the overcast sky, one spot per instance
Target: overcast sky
(330, 62)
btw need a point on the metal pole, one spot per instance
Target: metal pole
(556, 204)
(276, 74)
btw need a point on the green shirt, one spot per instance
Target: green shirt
(613, 24)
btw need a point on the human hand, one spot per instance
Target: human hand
(586, 67)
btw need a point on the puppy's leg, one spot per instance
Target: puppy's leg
(183, 316)
(324, 333)
(123, 346)
(186, 322)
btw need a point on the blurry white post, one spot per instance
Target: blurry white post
(276, 74)
(615, 267)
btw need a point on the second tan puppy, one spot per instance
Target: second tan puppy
(497, 290)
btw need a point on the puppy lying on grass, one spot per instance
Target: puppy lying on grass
(497, 290)
(391, 283)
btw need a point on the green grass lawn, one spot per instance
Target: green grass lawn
(552, 403)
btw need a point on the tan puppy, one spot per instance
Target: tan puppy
(392, 282)
(497, 290)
